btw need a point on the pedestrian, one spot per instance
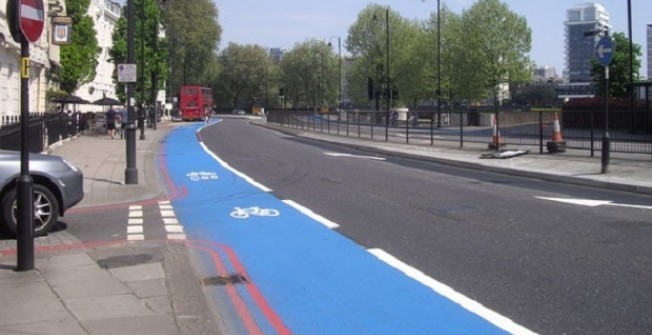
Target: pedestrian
(111, 121)
(82, 123)
(207, 114)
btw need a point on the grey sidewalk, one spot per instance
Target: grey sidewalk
(106, 287)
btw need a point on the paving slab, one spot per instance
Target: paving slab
(150, 324)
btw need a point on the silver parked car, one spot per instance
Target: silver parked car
(58, 185)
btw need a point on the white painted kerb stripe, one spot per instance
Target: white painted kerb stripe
(31, 13)
(306, 211)
(448, 292)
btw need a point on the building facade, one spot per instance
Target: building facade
(584, 23)
(649, 51)
(43, 58)
(105, 15)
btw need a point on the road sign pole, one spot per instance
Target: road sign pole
(606, 141)
(25, 183)
(604, 52)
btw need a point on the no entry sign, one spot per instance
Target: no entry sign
(31, 19)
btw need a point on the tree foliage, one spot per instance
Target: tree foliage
(79, 59)
(193, 34)
(485, 46)
(619, 75)
(150, 51)
(380, 42)
(244, 78)
(309, 75)
(535, 96)
(495, 48)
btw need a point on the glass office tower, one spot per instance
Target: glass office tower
(649, 51)
(581, 21)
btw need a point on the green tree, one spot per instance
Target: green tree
(79, 59)
(535, 96)
(494, 49)
(425, 58)
(380, 43)
(193, 34)
(619, 76)
(309, 75)
(244, 78)
(150, 51)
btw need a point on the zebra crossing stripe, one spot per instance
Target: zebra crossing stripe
(172, 227)
(135, 224)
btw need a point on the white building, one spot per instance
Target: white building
(105, 15)
(43, 57)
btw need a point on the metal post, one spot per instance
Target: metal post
(387, 78)
(25, 183)
(438, 65)
(605, 138)
(155, 77)
(631, 63)
(141, 110)
(339, 52)
(131, 172)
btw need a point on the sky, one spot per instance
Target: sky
(284, 23)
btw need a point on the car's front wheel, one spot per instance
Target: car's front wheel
(46, 210)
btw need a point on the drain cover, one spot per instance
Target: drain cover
(223, 280)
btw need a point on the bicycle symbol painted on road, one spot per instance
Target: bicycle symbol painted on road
(243, 213)
(202, 175)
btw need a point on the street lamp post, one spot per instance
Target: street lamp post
(141, 111)
(388, 89)
(438, 65)
(631, 62)
(131, 172)
(339, 99)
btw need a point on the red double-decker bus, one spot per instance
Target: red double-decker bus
(194, 101)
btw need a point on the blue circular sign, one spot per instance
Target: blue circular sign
(604, 50)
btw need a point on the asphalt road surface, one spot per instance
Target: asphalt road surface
(552, 266)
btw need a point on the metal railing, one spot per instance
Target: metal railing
(630, 132)
(44, 130)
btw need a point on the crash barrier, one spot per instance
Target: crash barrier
(44, 130)
(630, 131)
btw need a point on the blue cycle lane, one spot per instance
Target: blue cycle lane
(287, 273)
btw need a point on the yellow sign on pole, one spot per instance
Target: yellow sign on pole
(24, 68)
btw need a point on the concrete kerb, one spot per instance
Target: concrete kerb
(400, 151)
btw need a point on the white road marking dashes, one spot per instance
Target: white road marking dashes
(172, 227)
(135, 224)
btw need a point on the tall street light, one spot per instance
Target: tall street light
(631, 60)
(387, 92)
(131, 172)
(438, 65)
(339, 99)
(141, 111)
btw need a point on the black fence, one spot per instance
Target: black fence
(630, 131)
(44, 131)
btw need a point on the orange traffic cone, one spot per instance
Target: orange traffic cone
(557, 143)
(496, 141)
